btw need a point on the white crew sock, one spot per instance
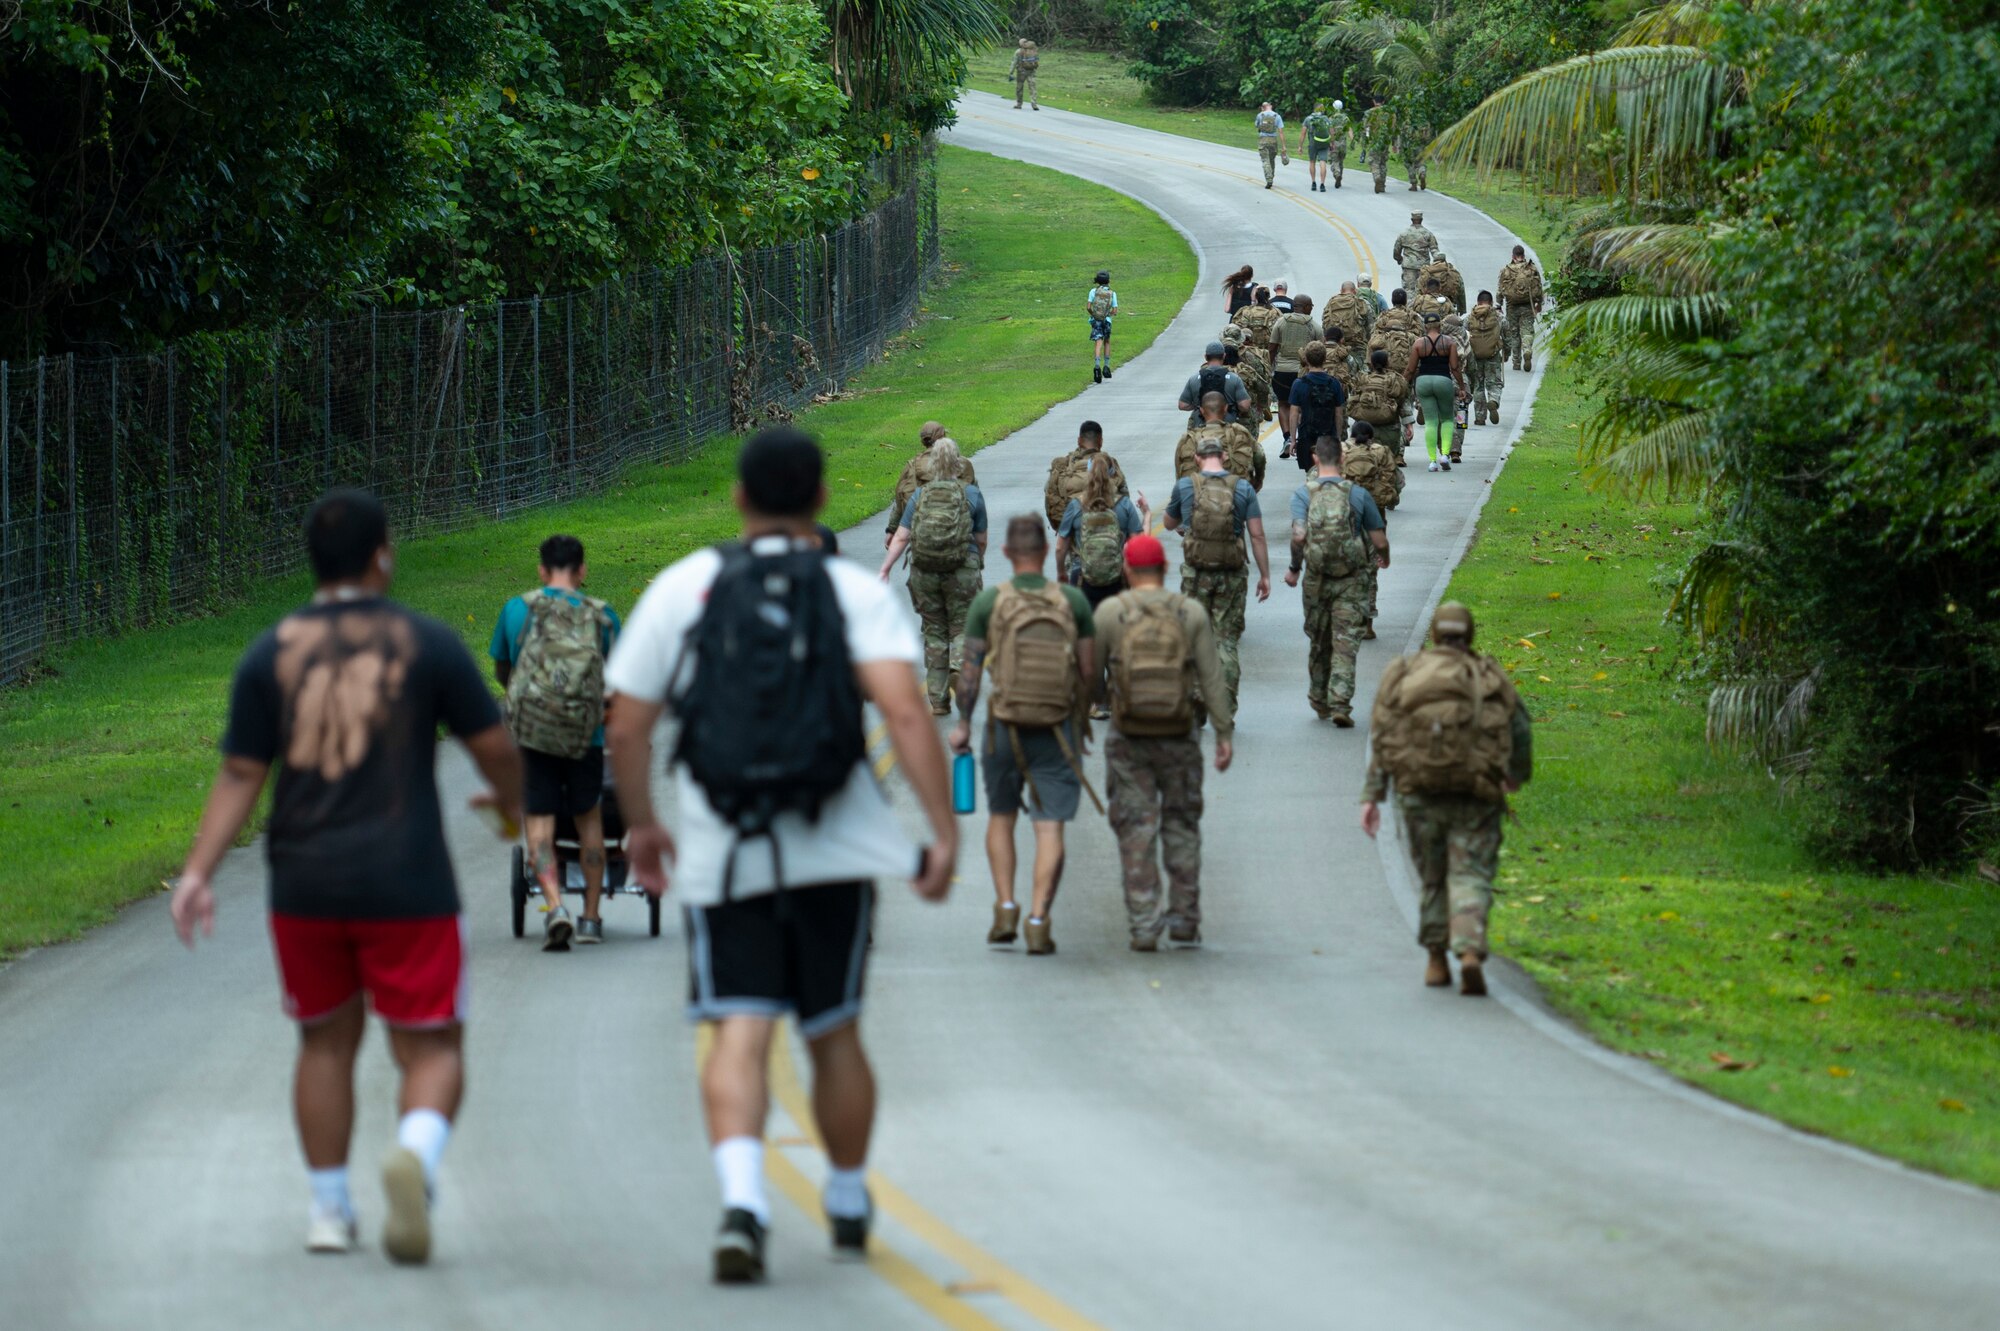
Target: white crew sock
(423, 1133)
(329, 1191)
(846, 1195)
(739, 1168)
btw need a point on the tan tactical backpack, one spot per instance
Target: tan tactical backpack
(1345, 312)
(1033, 657)
(1212, 541)
(1373, 400)
(1256, 321)
(1443, 724)
(1151, 693)
(1068, 475)
(1482, 329)
(1518, 283)
(1374, 469)
(941, 527)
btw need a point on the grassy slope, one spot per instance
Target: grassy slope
(1656, 890)
(110, 755)
(1095, 83)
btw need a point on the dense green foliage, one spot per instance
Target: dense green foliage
(167, 168)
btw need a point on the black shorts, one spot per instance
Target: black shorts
(553, 785)
(803, 951)
(1281, 385)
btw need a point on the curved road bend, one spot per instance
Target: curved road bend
(1281, 1130)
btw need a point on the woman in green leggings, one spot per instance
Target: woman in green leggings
(1434, 372)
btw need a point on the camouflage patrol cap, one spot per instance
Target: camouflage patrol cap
(1023, 42)
(1453, 619)
(1208, 447)
(1232, 336)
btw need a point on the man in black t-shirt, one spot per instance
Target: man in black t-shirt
(347, 695)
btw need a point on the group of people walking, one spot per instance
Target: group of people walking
(765, 651)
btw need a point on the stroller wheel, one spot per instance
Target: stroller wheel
(517, 888)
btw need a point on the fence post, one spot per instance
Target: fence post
(569, 341)
(173, 522)
(326, 405)
(41, 489)
(116, 574)
(535, 341)
(222, 475)
(604, 340)
(6, 508)
(374, 389)
(69, 440)
(500, 396)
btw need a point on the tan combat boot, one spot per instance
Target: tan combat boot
(1437, 972)
(1471, 975)
(1039, 942)
(1006, 923)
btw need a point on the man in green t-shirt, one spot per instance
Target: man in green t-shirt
(1046, 760)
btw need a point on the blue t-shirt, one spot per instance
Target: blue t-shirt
(1181, 506)
(973, 498)
(1274, 115)
(513, 627)
(1129, 521)
(1366, 515)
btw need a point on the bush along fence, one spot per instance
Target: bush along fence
(140, 490)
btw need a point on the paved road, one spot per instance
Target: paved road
(1283, 1129)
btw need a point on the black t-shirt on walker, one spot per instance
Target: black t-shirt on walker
(347, 698)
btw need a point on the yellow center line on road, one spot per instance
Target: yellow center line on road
(985, 1273)
(1364, 255)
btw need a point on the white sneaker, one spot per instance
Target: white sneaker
(331, 1231)
(1434, 466)
(406, 1234)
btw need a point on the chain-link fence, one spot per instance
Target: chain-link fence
(139, 490)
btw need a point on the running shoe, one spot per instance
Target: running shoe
(589, 930)
(1107, 369)
(739, 1248)
(406, 1234)
(1097, 374)
(557, 930)
(850, 1232)
(331, 1231)
(1445, 465)
(1434, 466)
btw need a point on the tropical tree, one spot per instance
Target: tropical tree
(903, 60)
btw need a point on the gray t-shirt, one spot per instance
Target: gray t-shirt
(1233, 392)
(973, 498)
(1367, 516)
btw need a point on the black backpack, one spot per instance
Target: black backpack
(1316, 417)
(1213, 379)
(771, 721)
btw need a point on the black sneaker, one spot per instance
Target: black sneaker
(1107, 369)
(739, 1248)
(1445, 465)
(850, 1232)
(1097, 374)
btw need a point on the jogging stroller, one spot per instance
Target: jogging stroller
(569, 865)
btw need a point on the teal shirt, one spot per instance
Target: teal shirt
(513, 627)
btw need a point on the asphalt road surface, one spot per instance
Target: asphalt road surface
(1283, 1129)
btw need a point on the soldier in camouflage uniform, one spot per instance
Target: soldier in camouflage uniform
(1454, 838)
(1026, 60)
(1413, 144)
(1342, 127)
(1336, 607)
(1375, 136)
(1414, 249)
(1450, 281)
(1521, 292)
(1485, 374)
(1153, 780)
(1213, 569)
(1253, 367)
(918, 470)
(942, 598)
(1352, 316)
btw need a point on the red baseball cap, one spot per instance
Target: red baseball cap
(1144, 551)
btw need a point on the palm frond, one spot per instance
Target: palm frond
(1658, 105)
(1675, 457)
(1682, 23)
(1766, 716)
(1717, 596)
(882, 48)
(1615, 321)
(1677, 258)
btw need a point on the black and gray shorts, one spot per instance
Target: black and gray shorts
(802, 952)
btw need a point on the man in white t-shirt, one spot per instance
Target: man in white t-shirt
(778, 924)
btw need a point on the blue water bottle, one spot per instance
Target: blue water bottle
(963, 777)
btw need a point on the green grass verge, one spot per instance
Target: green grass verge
(110, 754)
(1656, 890)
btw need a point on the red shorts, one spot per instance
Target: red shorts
(413, 970)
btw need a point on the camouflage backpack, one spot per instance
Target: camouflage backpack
(1150, 689)
(1256, 321)
(941, 527)
(1482, 329)
(1267, 123)
(1212, 542)
(1443, 724)
(555, 697)
(1068, 475)
(1335, 547)
(1373, 401)
(1100, 547)
(1100, 303)
(1373, 468)
(1027, 56)
(1033, 659)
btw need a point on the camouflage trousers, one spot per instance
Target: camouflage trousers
(1378, 167)
(1455, 842)
(1517, 333)
(1336, 612)
(1153, 787)
(1486, 377)
(1268, 149)
(1410, 281)
(1025, 83)
(1337, 160)
(1223, 593)
(942, 601)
